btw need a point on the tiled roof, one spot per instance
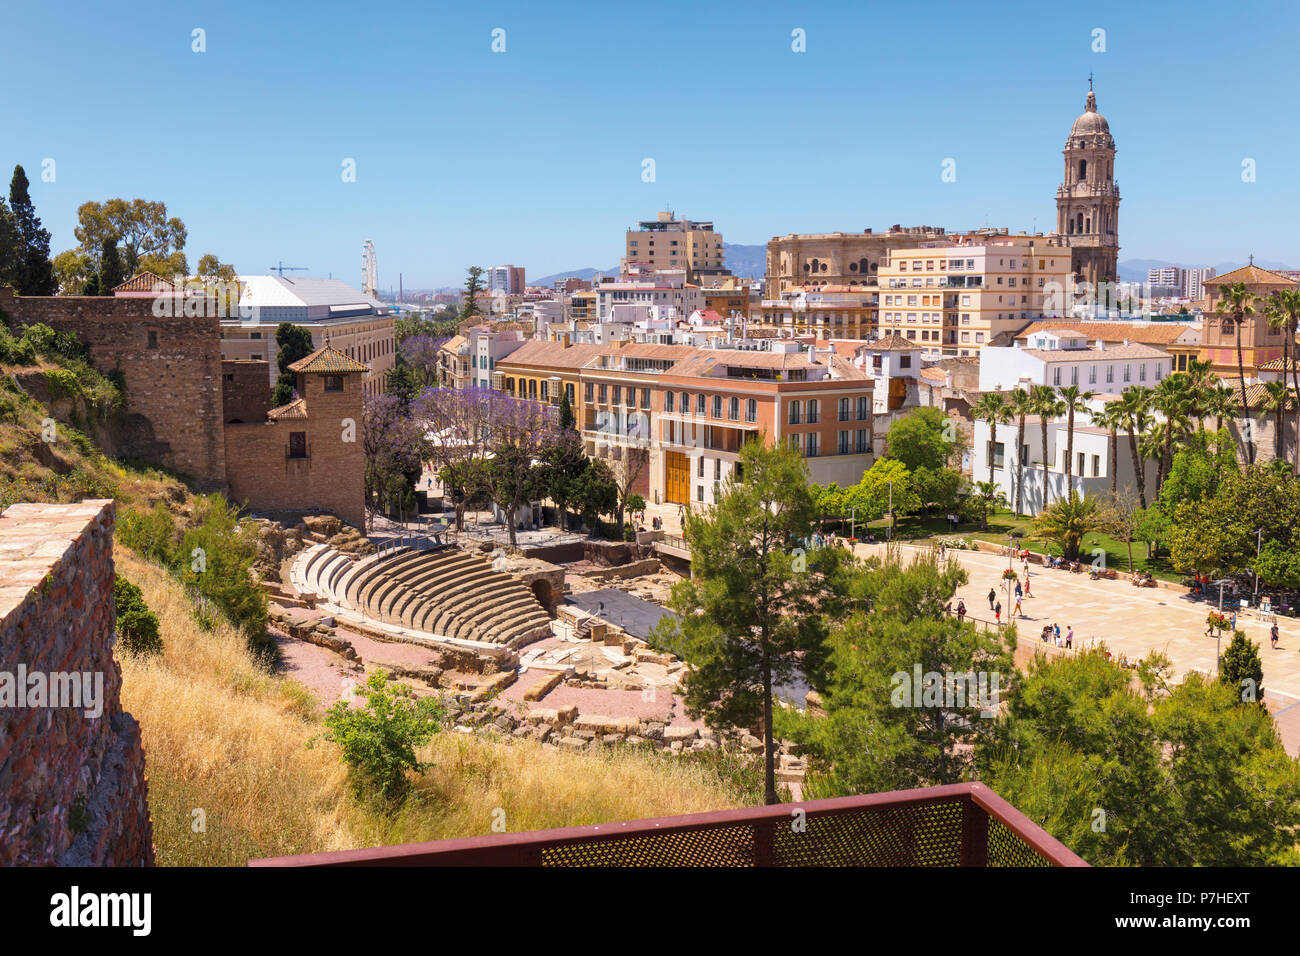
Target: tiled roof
(327, 361)
(295, 409)
(1251, 275)
(1133, 350)
(143, 282)
(1278, 365)
(1154, 333)
(893, 342)
(1256, 393)
(551, 355)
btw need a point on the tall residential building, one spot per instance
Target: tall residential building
(1169, 277)
(955, 297)
(1197, 280)
(668, 244)
(506, 280)
(1087, 203)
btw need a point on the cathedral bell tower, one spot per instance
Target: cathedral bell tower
(1087, 203)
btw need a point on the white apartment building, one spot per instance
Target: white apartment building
(959, 296)
(662, 290)
(1063, 357)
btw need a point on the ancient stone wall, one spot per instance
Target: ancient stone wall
(245, 390)
(73, 789)
(171, 367)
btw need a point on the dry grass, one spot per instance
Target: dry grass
(224, 737)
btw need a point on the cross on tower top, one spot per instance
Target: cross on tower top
(1090, 80)
(1252, 258)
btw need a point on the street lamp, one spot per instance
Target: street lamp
(889, 533)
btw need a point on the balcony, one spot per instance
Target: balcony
(963, 824)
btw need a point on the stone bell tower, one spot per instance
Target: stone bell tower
(1087, 203)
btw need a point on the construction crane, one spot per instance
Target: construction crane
(282, 269)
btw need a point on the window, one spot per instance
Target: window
(795, 441)
(699, 404)
(1082, 458)
(544, 386)
(842, 446)
(813, 414)
(333, 383)
(604, 393)
(812, 445)
(863, 408)
(686, 403)
(153, 340)
(668, 401)
(699, 492)
(844, 409)
(1056, 375)
(717, 470)
(589, 390)
(1142, 372)
(618, 394)
(717, 406)
(701, 460)
(1110, 374)
(568, 390)
(1092, 375)
(860, 441)
(996, 451)
(1126, 373)
(794, 414)
(1096, 466)
(645, 398)
(297, 444)
(1074, 375)
(733, 408)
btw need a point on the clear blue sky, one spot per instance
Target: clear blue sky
(533, 156)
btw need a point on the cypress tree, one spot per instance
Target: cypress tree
(110, 267)
(35, 270)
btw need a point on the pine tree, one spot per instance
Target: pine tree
(473, 286)
(294, 343)
(35, 273)
(1241, 668)
(9, 247)
(110, 267)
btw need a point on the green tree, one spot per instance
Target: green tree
(473, 286)
(1276, 402)
(10, 257)
(1235, 306)
(940, 489)
(886, 485)
(379, 741)
(110, 267)
(987, 497)
(33, 270)
(881, 730)
(137, 626)
(151, 241)
(754, 614)
(924, 438)
(1135, 413)
(1048, 408)
(992, 408)
(1074, 400)
(294, 343)
(1283, 312)
(1067, 520)
(1241, 669)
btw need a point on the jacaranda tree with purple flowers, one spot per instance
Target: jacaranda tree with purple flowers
(456, 421)
(395, 449)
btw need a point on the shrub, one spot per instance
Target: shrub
(152, 533)
(379, 740)
(137, 626)
(215, 560)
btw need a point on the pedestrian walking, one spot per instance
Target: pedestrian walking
(961, 613)
(993, 596)
(1028, 592)
(997, 612)
(1069, 636)
(1020, 592)
(1017, 612)
(1056, 632)
(1272, 634)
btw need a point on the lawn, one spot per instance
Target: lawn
(1003, 522)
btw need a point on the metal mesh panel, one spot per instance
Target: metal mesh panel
(1007, 849)
(920, 835)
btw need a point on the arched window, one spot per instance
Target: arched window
(1083, 170)
(864, 265)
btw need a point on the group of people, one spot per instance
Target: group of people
(1051, 633)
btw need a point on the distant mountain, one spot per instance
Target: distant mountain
(749, 262)
(1135, 270)
(574, 273)
(745, 261)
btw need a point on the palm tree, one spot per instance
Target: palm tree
(1285, 314)
(1201, 374)
(1219, 402)
(1135, 405)
(1074, 401)
(1173, 399)
(1111, 418)
(1066, 522)
(992, 408)
(989, 497)
(1236, 303)
(1048, 407)
(1018, 401)
(1277, 398)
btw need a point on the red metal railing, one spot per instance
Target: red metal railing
(964, 824)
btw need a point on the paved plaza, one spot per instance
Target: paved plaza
(1131, 621)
